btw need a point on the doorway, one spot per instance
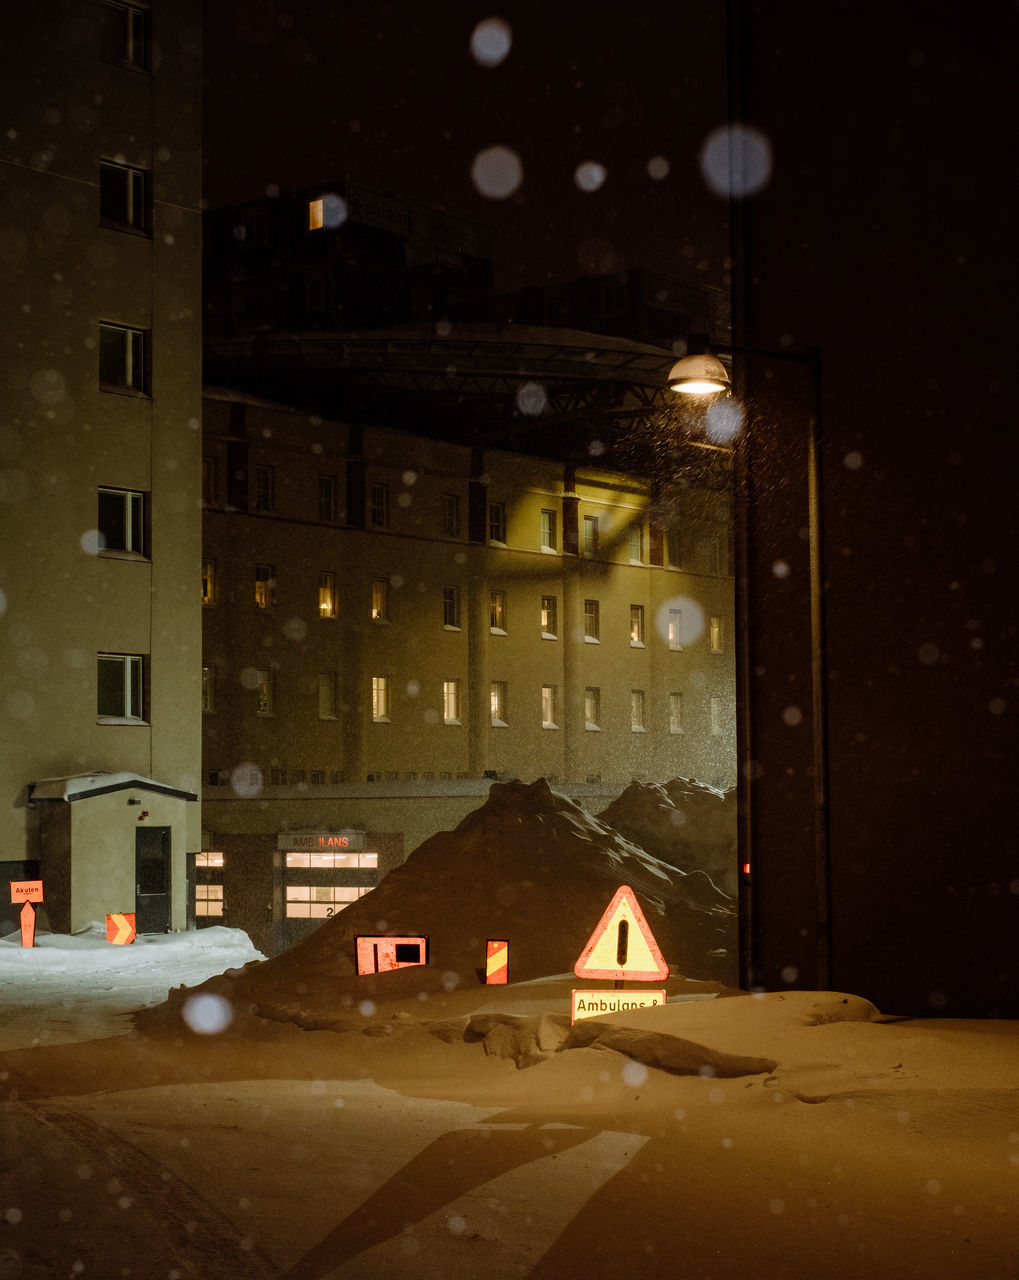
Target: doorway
(152, 879)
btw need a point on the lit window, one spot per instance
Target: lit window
(451, 607)
(327, 499)
(716, 715)
(451, 515)
(637, 710)
(121, 521)
(315, 901)
(265, 583)
(378, 506)
(497, 522)
(497, 693)
(592, 708)
(498, 611)
(549, 536)
(328, 695)
(265, 684)
(331, 858)
(208, 690)
(327, 595)
(210, 486)
(210, 859)
(635, 539)
(675, 713)
(316, 215)
(125, 35)
(380, 600)
(208, 899)
(451, 701)
(675, 633)
(380, 698)
(209, 583)
(591, 620)
(548, 706)
(122, 358)
(549, 619)
(265, 490)
(637, 625)
(716, 634)
(590, 535)
(122, 196)
(120, 686)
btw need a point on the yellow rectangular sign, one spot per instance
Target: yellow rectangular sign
(594, 1004)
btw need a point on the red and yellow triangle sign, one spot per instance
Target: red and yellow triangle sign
(622, 946)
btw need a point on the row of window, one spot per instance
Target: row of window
(264, 503)
(452, 702)
(328, 607)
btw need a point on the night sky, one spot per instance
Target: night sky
(390, 96)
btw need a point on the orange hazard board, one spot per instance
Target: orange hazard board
(497, 962)
(378, 953)
(622, 946)
(120, 928)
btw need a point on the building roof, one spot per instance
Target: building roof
(80, 786)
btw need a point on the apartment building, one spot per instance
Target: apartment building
(100, 447)
(391, 622)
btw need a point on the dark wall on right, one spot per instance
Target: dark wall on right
(887, 237)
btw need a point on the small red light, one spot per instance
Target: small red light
(746, 868)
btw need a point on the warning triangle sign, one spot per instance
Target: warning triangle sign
(622, 946)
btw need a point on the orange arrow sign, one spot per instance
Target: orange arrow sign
(120, 928)
(622, 946)
(28, 925)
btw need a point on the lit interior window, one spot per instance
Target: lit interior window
(318, 901)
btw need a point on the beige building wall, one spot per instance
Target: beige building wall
(410, 771)
(72, 98)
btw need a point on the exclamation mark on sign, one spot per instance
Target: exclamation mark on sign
(622, 942)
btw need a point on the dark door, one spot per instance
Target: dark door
(152, 879)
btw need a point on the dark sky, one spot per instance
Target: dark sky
(389, 95)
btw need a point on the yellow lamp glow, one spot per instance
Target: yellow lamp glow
(699, 375)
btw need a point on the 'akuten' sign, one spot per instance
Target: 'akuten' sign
(320, 841)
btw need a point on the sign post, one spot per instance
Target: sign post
(27, 892)
(622, 948)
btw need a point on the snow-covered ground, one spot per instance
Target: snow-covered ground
(455, 1134)
(71, 987)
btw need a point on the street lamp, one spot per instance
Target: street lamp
(701, 373)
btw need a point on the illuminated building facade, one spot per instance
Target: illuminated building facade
(101, 446)
(391, 622)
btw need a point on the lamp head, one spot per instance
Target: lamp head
(699, 375)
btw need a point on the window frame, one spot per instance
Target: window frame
(378, 505)
(328, 695)
(133, 689)
(381, 708)
(451, 613)
(676, 724)
(635, 541)
(265, 587)
(130, 355)
(549, 615)
(328, 605)
(591, 544)
(208, 690)
(452, 710)
(497, 694)
(638, 711)
(136, 215)
(549, 706)
(210, 584)
(327, 490)
(497, 611)
(674, 630)
(592, 622)
(134, 520)
(549, 530)
(592, 707)
(265, 688)
(378, 606)
(716, 633)
(497, 523)
(636, 626)
(451, 522)
(132, 47)
(263, 481)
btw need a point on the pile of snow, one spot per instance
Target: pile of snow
(529, 866)
(684, 823)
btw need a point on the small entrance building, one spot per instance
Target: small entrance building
(111, 842)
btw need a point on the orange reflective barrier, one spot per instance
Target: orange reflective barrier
(378, 953)
(497, 962)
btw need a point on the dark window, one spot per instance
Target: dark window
(125, 36)
(121, 521)
(123, 196)
(123, 358)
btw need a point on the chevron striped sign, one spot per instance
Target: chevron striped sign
(120, 928)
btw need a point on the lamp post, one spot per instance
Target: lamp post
(702, 374)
